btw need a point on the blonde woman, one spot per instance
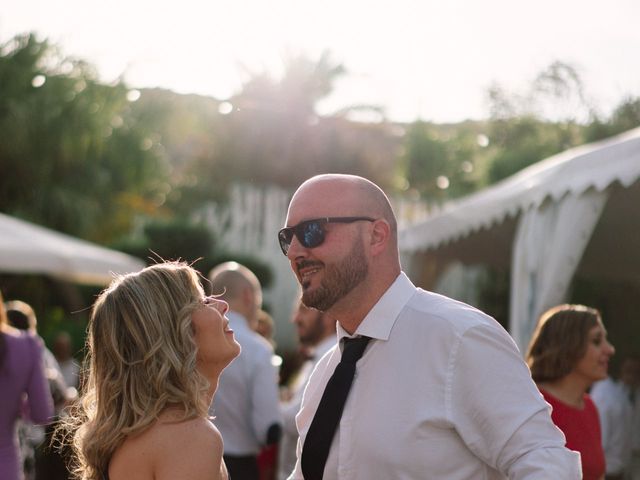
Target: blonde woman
(156, 346)
(568, 352)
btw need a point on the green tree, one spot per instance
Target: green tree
(522, 129)
(624, 117)
(73, 158)
(273, 134)
(439, 162)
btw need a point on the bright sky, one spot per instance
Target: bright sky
(420, 58)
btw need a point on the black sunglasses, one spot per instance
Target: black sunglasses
(310, 233)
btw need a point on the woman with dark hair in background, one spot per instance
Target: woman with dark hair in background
(568, 352)
(25, 392)
(156, 348)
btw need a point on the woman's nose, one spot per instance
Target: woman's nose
(611, 348)
(222, 306)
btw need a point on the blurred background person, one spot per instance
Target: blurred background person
(265, 326)
(156, 346)
(245, 406)
(630, 376)
(24, 392)
(316, 335)
(268, 456)
(23, 317)
(569, 352)
(62, 348)
(614, 401)
(40, 461)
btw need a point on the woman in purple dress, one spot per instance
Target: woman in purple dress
(25, 392)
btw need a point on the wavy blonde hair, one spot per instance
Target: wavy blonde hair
(142, 359)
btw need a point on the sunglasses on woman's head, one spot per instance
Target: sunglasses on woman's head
(310, 233)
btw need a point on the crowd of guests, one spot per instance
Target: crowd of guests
(182, 380)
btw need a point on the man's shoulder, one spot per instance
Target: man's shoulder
(248, 339)
(255, 342)
(445, 312)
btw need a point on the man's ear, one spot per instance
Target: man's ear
(246, 295)
(380, 236)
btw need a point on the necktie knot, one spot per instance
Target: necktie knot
(353, 349)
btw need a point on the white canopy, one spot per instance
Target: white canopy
(29, 248)
(539, 223)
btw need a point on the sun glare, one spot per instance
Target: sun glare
(38, 81)
(429, 60)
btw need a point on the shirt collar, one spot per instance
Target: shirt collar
(381, 318)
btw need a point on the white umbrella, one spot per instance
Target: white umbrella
(29, 248)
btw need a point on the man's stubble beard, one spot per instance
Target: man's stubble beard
(339, 279)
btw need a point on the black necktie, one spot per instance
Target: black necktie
(325, 422)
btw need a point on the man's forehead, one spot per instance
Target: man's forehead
(321, 199)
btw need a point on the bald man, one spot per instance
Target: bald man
(440, 391)
(246, 404)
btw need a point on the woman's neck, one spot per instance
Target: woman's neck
(568, 389)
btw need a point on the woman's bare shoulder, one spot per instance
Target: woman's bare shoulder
(194, 430)
(189, 449)
(171, 449)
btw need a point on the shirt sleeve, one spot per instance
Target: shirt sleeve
(499, 412)
(39, 401)
(265, 398)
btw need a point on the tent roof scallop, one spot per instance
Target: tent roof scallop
(595, 165)
(29, 248)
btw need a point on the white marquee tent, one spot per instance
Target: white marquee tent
(29, 248)
(575, 212)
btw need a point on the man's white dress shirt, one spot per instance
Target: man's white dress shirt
(440, 393)
(616, 421)
(246, 403)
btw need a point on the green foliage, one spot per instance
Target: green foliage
(440, 162)
(425, 159)
(274, 136)
(186, 128)
(174, 239)
(58, 305)
(520, 130)
(70, 153)
(625, 117)
(522, 141)
(179, 239)
(81, 158)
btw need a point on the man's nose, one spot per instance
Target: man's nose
(296, 249)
